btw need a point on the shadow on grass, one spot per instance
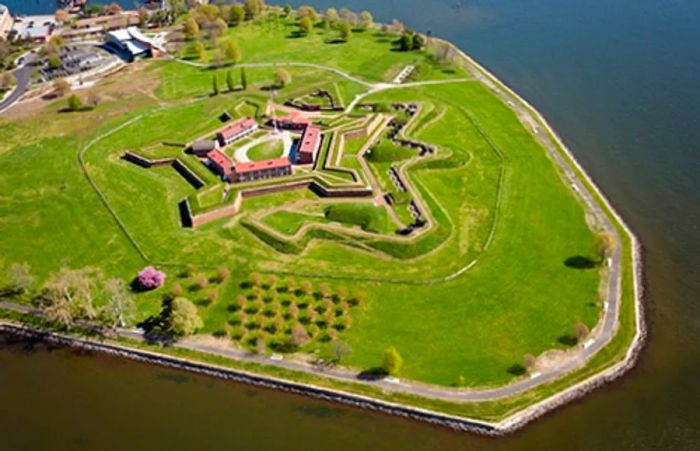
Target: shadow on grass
(517, 369)
(568, 340)
(373, 374)
(580, 262)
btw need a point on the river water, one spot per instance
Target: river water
(618, 80)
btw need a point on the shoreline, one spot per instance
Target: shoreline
(576, 391)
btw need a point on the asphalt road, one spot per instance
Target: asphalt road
(23, 75)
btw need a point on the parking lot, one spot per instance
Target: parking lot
(74, 61)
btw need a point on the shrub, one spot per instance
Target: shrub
(223, 273)
(150, 278)
(176, 290)
(299, 335)
(392, 361)
(182, 318)
(201, 281)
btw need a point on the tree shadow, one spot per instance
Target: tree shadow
(517, 369)
(155, 327)
(580, 262)
(568, 340)
(373, 374)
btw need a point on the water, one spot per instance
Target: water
(617, 79)
(50, 6)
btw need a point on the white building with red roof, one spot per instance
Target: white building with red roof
(220, 163)
(257, 170)
(236, 130)
(309, 144)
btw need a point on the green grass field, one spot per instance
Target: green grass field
(266, 150)
(491, 191)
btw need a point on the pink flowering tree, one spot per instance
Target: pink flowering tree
(150, 278)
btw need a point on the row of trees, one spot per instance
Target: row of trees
(213, 20)
(343, 21)
(282, 78)
(75, 294)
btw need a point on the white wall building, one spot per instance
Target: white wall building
(6, 21)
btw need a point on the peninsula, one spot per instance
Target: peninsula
(313, 202)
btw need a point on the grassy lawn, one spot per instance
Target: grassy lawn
(492, 191)
(266, 150)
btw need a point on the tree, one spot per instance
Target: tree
(7, 80)
(255, 279)
(253, 8)
(305, 26)
(244, 80)
(182, 317)
(392, 361)
(418, 41)
(74, 103)
(325, 290)
(220, 26)
(93, 98)
(21, 278)
(406, 42)
(233, 53)
(149, 278)
(604, 245)
(331, 15)
(201, 281)
(348, 15)
(200, 51)
(366, 20)
(223, 272)
(345, 30)
(120, 308)
(581, 331)
(282, 77)
(340, 350)
(62, 16)
(236, 14)
(307, 11)
(143, 16)
(60, 87)
(529, 361)
(307, 287)
(214, 85)
(70, 294)
(176, 290)
(191, 28)
(111, 9)
(299, 335)
(287, 9)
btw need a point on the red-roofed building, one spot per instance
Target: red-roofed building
(236, 130)
(219, 163)
(256, 170)
(293, 121)
(309, 144)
